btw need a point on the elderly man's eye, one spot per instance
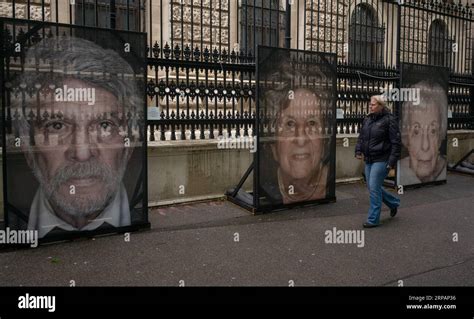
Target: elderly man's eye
(416, 129)
(55, 126)
(106, 127)
(313, 123)
(290, 124)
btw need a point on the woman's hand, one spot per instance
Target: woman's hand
(391, 171)
(359, 156)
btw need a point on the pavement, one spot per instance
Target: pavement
(429, 243)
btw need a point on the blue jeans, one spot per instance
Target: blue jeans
(375, 174)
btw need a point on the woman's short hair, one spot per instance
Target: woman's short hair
(380, 99)
(289, 76)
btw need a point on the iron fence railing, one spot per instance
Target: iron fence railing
(201, 53)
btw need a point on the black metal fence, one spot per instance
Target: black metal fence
(201, 53)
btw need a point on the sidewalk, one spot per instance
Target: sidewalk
(195, 245)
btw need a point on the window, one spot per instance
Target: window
(85, 13)
(366, 38)
(439, 44)
(261, 23)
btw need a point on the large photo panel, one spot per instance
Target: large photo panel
(74, 124)
(423, 124)
(296, 128)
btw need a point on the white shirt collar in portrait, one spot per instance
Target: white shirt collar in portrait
(43, 219)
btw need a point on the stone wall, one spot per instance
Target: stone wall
(21, 10)
(198, 21)
(206, 172)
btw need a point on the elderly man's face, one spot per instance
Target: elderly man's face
(299, 143)
(423, 140)
(79, 159)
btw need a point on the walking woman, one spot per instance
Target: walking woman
(379, 146)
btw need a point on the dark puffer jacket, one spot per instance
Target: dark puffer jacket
(379, 139)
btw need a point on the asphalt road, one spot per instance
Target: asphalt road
(429, 243)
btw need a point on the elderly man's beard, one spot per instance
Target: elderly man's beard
(76, 205)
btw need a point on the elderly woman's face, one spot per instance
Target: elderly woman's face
(298, 148)
(424, 140)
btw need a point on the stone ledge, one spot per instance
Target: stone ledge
(208, 144)
(200, 144)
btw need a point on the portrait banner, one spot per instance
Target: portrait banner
(74, 125)
(423, 119)
(296, 117)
